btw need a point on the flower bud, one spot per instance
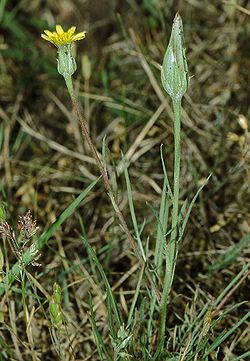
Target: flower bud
(57, 293)
(55, 314)
(66, 64)
(55, 306)
(2, 213)
(1, 261)
(174, 71)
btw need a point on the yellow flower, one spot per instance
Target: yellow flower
(61, 37)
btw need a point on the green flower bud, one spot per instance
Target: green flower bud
(66, 64)
(1, 260)
(2, 213)
(55, 314)
(57, 293)
(174, 71)
(55, 306)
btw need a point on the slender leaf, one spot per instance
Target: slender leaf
(110, 297)
(101, 348)
(225, 334)
(132, 209)
(191, 207)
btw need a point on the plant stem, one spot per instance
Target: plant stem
(177, 156)
(105, 179)
(171, 247)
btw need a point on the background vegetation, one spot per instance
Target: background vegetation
(45, 164)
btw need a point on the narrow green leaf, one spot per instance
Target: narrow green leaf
(225, 334)
(65, 215)
(162, 222)
(182, 229)
(231, 284)
(242, 357)
(166, 174)
(136, 295)
(101, 348)
(231, 254)
(132, 209)
(110, 296)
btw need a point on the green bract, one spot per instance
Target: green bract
(174, 71)
(66, 64)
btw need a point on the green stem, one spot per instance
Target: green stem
(171, 248)
(69, 83)
(177, 156)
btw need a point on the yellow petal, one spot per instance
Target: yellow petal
(79, 36)
(47, 32)
(45, 37)
(59, 29)
(71, 30)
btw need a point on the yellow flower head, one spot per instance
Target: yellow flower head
(61, 37)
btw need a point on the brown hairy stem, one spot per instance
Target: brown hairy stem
(107, 185)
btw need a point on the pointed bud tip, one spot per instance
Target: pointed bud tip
(177, 17)
(177, 24)
(174, 71)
